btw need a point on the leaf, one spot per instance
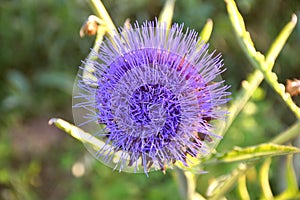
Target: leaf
(242, 188)
(293, 87)
(291, 180)
(55, 79)
(77, 133)
(206, 31)
(187, 185)
(253, 153)
(280, 41)
(235, 17)
(219, 187)
(166, 14)
(264, 179)
(243, 36)
(256, 58)
(292, 186)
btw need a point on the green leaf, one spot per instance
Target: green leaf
(55, 79)
(243, 36)
(235, 17)
(77, 133)
(166, 14)
(253, 153)
(206, 31)
(280, 41)
(264, 179)
(288, 134)
(242, 188)
(187, 184)
(292, 186)
(291, 180)
(257, 59)
(220, 186)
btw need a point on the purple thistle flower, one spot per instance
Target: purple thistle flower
(150, 97)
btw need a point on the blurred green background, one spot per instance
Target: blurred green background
(40, 51)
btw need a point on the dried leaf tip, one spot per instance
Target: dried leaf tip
(293, 87)
(90, 26)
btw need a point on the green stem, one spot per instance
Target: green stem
(191, 183)
(263, 70)
(88, 72)
(258, 60)
(284, 137)
(102, 13)
(271, 78)
(108, 27)
(248, 88)
(181, 182)
(288, 134)
(77, 133)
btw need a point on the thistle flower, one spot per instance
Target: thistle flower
(150, 97)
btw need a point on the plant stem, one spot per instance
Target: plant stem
(102, 13)
(77, 133)
(248, 88)
(89, 69)
(288, 134)
(258, 60)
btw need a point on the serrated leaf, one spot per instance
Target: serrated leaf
(236, 17)
(254, 152)
(256, 58)
(244, 37)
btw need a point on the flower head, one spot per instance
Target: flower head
(150, 97)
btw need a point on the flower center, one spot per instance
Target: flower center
(156, 105)
(147, 96)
